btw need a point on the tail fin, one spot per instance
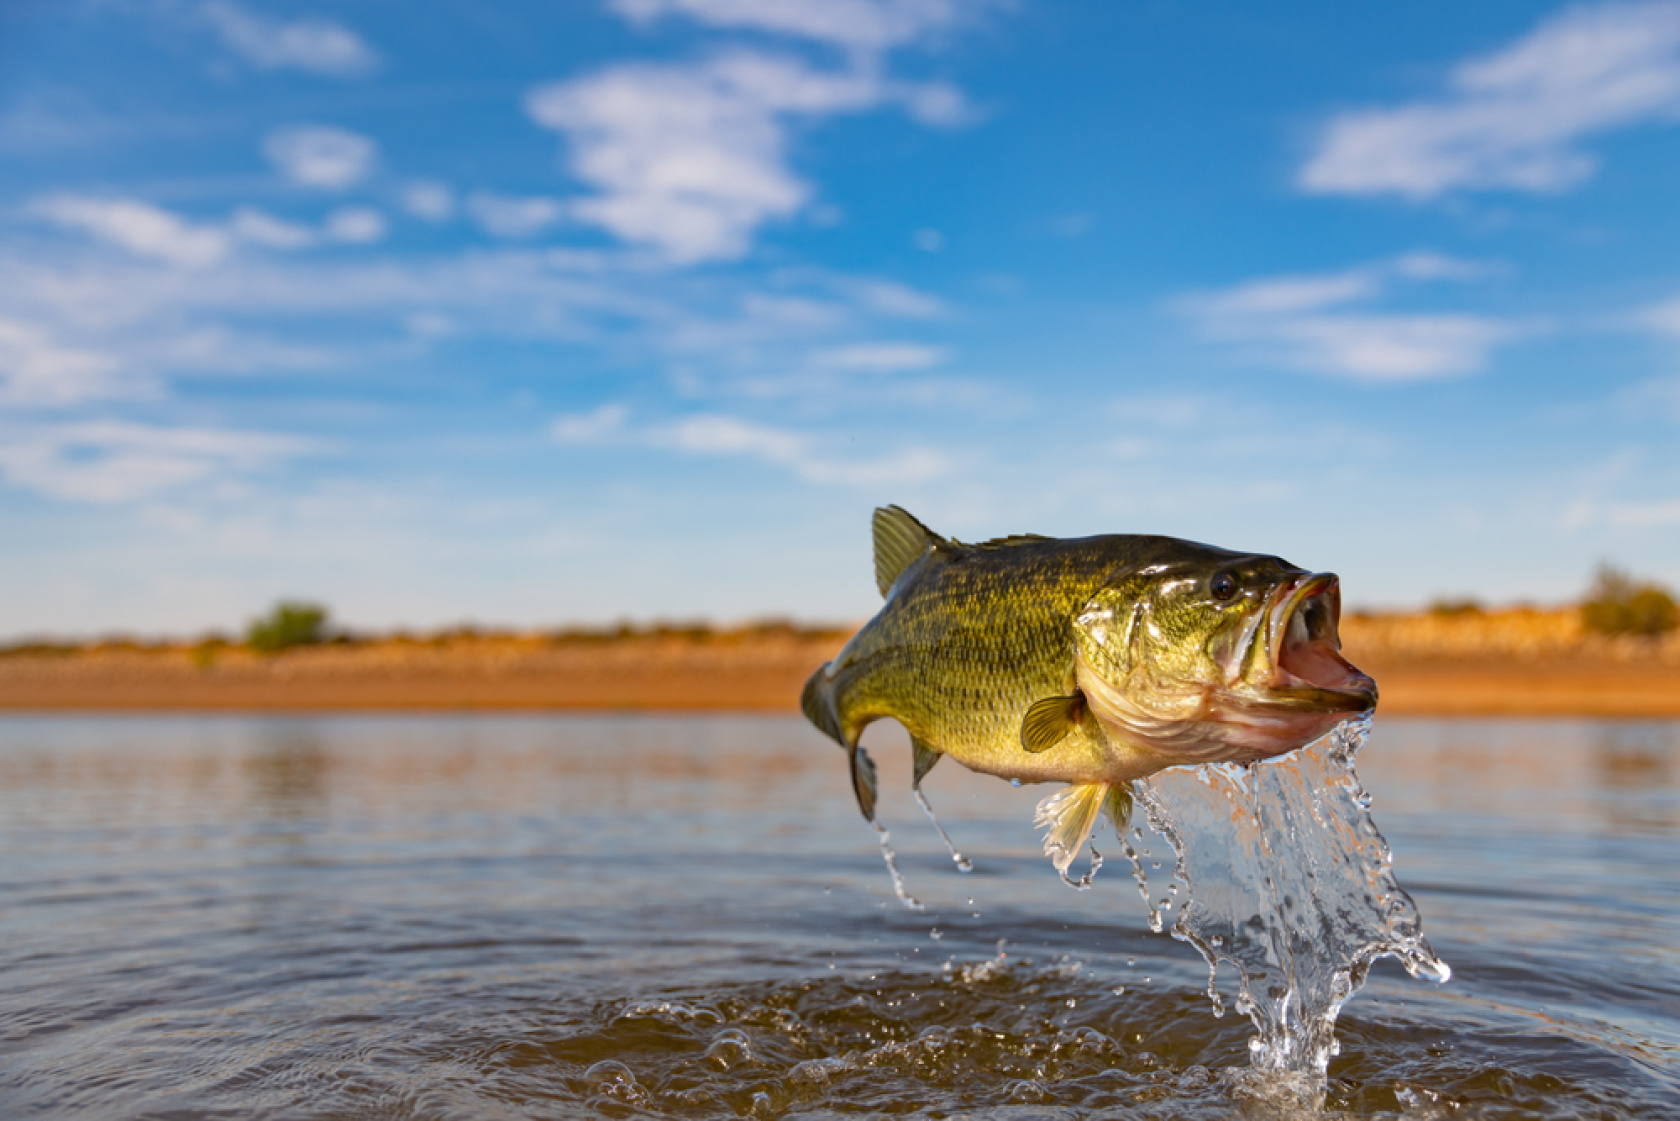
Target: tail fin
(818, 702)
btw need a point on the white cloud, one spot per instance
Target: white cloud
(315, 45)
(257, 310)
(881, 357)
(261, 228)
(592, 427)
(1391, 347)
(1312, 322)
(1643, 515)
(898, 300)
(508, 216)
(430, 200)
(691, 159)
(1513, 119)
(1656, 397)
(718, 435)
(870, 25)
(320, 156)
(730, 436)
(35, 369)
(138, 227)
(356, 225)
(112, 461)
(1279, 295)
(1665, 317)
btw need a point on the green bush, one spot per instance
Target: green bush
(289, 624)
(1619, 604)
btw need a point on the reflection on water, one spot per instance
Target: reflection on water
(542, 917)
(1635, 761)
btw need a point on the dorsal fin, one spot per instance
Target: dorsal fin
(1012, 540)
(900, 541)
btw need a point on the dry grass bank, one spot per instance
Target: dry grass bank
(1527, 661)
(1504, 662)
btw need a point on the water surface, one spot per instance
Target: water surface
(526, 917)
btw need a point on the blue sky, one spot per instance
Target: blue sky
(531, 314)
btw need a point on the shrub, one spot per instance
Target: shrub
(289, 624)
(1464, 606)
(1619, 604)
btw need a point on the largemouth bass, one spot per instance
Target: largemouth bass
(1090, 661)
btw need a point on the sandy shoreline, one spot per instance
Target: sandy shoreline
(1510, 663)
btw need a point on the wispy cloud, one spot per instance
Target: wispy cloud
(1514, 119)
(356, 225)
(150, 232)
(1643, 515)
(691, 159)
(112, 461)
(514, 217)
(262, 228)
(1315, 322)
(872, 25)
(719, 340)
(718, 435)
(320, 156)
(35, 369)
(881, 357)
(430, 200)
(138, 227)
(1665, 317)
(317, 46)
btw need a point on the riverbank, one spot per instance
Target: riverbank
(1520, 662)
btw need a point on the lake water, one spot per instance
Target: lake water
(531, 917)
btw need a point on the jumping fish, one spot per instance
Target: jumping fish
(1090, 661)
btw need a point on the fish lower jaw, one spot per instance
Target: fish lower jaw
(1263, 729)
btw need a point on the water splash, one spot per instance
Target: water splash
(891, 857)
(1284, 877)
(963, 863)
(1083, 883)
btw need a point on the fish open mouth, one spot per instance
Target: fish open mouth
(1308, 666)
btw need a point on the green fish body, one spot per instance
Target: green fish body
(1090, 661)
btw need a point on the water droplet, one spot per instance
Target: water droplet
(891, 858)
(1083, 883)
(963, 863)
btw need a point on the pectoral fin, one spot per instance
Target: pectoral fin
(926, 757)
(1069, 815)
(1049, 721)
(863, 781)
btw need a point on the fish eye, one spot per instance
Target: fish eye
(1223, 586)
